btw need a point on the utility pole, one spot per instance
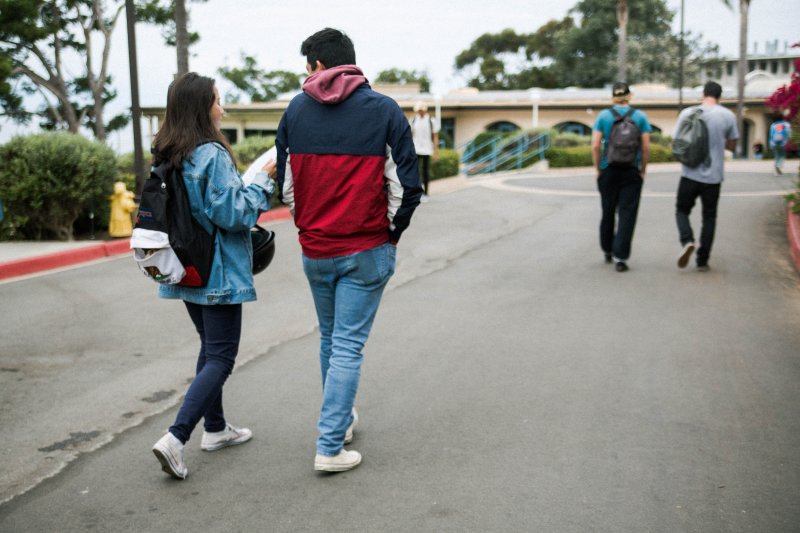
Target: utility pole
(680, 69)
(136, 111)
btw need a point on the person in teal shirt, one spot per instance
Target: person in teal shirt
(620, 185)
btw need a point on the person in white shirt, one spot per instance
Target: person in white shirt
(425, 133)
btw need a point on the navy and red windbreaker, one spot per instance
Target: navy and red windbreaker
(346, 165)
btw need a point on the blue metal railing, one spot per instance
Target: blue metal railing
(504, 153)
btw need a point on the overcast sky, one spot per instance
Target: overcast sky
(411, 35)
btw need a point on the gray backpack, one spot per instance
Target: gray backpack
(623, 141)
(690, 145)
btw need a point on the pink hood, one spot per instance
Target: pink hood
(335, 84)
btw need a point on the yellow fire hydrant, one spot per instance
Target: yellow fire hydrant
(122, 205)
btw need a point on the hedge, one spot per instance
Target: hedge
(446, 165)
(51, 181)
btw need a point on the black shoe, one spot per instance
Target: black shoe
(608, 259)
(621, 266)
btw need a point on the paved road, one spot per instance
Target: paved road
(513, 382)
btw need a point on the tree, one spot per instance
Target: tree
(173, 17)
(40, 38)
(585, 56)
(182, 36)
(494, 56)
(41, 42)
(657, 60)
(405, 76)
(622, 43)
(258, 85)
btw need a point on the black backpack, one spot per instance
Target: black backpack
(690, 145)
(624, 141)
(169, 245)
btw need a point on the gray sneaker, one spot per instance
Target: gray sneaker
(169, 452)
(345, 460)
(230, 436)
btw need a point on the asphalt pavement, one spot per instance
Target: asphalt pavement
(512, 382)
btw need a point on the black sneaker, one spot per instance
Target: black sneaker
(608, 259)
(621, 266)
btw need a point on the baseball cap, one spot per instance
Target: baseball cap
(620, 89)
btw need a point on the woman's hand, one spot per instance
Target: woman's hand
(270, 167)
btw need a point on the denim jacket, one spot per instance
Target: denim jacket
(219, 198)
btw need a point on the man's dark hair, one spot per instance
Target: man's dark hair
(330, 47)
(712, 89)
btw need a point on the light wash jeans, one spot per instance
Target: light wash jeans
(347, 291)
(780, 155)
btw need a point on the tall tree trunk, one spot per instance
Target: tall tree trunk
(744, 7)
(622, 48)
(182, 36)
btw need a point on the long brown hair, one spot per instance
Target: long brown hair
(187, 122)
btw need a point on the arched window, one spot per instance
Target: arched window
(502, 126)
(573, 127)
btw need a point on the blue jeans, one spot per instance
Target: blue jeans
(620, 190)
(780, 155)
(220, 328)
(347, 291)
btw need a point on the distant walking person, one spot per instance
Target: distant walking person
(705, 179)
(347, 170)
(425, 133)
(620, 151)
(190, 136)
(779, 134)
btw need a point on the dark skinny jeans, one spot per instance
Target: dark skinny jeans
(620, 190)
(688, 191)
(219, 327)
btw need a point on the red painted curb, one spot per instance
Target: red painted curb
(793, 233)
(31, 265)
(279, 213)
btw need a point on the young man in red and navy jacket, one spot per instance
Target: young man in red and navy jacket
(348, 172)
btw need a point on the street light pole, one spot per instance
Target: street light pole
(136, 111)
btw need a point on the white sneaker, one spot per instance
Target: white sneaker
(686, 254)
(424, 199)
(169, 452)
(346, 460)
(230, 436)
(348, 436)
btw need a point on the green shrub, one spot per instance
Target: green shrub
(566, 139)
(660, 139)
(446, 165)
(571, 156)
(49, 181)
(250, 148)
(660, 153)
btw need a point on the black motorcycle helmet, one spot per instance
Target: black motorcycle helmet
(263, 248)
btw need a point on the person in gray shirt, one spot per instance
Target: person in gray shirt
(704, 180)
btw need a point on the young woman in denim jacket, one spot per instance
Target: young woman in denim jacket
(191, 137)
